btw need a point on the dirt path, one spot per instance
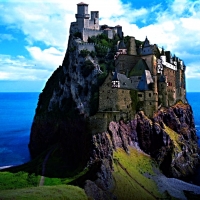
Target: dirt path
(43, 168)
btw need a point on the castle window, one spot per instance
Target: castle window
(149, 94)
(107, 97)
(149, 103)
(139, 95)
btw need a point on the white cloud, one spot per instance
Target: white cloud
(175, 26)
(48, 58)
(20, 68)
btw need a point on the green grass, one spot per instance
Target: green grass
(129, 176)
(17, 180)
(174, 137)
(67, 192)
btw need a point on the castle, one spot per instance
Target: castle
(90, 26)
(146, 77)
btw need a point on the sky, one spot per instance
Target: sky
(34, 35)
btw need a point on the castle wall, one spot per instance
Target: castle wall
(86, 46)
(149, 100)
(162, 89)
(113, 99)
(89, 33)
(171, 85)
(94, 21)
(109, 33)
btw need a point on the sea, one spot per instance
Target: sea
(16, 115)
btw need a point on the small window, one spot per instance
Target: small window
(149, 103)
(149, 94)
(139, 95)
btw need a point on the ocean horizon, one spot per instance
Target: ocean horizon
(17, 113)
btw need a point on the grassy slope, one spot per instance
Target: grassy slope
(129, 176)
(67, 192)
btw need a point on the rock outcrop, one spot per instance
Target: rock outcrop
(62, 116)
(176, 152)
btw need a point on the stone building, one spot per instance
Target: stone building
(88, 24)
(157, 78)
(145, 78)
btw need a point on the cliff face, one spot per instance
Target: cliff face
(63, 107)
(170, 138)
(61, 122)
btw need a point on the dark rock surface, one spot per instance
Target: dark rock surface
(177, 157)
(62, 116)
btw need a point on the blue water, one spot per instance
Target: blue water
(193, 99)
(16, 115)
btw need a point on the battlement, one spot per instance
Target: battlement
(89, 46)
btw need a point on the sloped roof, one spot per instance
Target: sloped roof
(145, 81)
(115, 77)
(122, 45)
(82, 3)
(139, 68)
(146, 42)
(107, 29)
(124, 81)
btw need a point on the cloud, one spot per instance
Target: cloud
(20, 68)
(173, 26)
(47, 58)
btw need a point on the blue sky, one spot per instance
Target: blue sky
(34, 35)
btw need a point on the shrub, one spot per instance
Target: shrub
(87, 68)
(93, 54)
(84, 53)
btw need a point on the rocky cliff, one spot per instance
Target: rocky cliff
(61, 123)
